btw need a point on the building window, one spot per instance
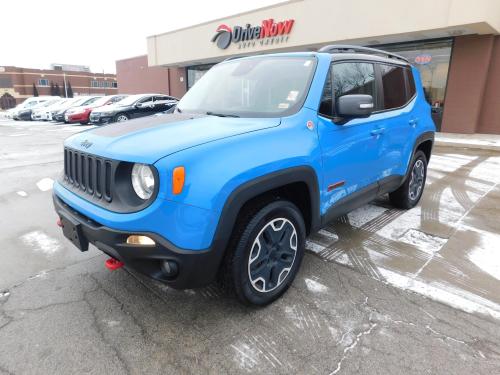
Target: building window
(94, 83)
(43, 82)
(114, 84)
(194, 73)
(432, 59)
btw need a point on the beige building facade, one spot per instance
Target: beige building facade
(455, 44)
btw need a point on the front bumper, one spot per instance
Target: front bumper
(195, 268)
(100, 119)
(79, 117)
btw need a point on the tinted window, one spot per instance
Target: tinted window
(326, 105)
(393, 81)
(353, 78)
(410, 83)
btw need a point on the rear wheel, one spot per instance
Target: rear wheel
(265, 253)
(409, 194)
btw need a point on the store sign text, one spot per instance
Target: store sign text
(248, 35)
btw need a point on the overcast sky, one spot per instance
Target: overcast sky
(36, 33)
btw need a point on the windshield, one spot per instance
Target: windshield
(271, 86)
(101, 101)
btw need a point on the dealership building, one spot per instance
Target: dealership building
(455, 44)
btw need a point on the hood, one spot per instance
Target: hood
(152, 138)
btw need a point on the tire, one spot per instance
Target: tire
(265, 252)
(120, 117)
(408, 195)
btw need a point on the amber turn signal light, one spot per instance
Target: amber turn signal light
(178, 177)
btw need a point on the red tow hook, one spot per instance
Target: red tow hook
(113, 264)
(59, 223)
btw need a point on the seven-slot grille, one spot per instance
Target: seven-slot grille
(88, 173)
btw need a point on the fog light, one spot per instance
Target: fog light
(140, 240)
(170, 268)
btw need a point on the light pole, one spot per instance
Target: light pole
(65, 86)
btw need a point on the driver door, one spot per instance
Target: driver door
(350, 149)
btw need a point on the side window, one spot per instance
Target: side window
(353, 78)
(410, 82)
(148, 100)
(326, 105)
(393, 82)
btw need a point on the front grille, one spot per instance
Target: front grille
(89, 174)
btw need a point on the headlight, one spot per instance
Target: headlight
(143, 181)
(107, 113)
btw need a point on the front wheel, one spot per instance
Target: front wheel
(121, 117)
(265, 253)
(408, 195)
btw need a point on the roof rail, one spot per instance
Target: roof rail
(345, 48)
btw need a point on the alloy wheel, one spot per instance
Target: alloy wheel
(272, 255)
(417, 180)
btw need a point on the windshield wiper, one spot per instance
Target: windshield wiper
(220, 114)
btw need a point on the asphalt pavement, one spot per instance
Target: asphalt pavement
(380, 290)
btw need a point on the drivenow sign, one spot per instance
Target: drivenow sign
(269, 32)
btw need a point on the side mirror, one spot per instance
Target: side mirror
(354, 105)
(139, 105)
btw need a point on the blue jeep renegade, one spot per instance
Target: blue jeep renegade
(258, 154)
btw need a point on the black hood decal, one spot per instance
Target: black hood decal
(118, 129)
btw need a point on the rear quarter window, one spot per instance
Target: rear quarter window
(410, 81)
(394, 88)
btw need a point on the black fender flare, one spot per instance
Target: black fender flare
(254, 188)
(424, 137)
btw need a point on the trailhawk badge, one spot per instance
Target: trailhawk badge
(225, 35)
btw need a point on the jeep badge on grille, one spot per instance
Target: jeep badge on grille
(86, 143)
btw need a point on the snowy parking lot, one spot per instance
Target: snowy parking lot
(381, 290)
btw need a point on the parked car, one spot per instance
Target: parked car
(26, 114)
(59, 116)
(44, 114)
(53, 110)
(38, 112)
(228, 187)
(81, 114)
(28, 104)
(133, 106)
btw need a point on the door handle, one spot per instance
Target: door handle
(413, 122)
(377, 131)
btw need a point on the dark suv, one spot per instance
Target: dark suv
(259, 153)
(132, 107)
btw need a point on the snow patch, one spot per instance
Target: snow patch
(425, 242)
(45, 184)
(315, 287)
(314, 247)
(22, 193)
(4, 294)
(443, 293)
(41, 242)
(365, 214)
(487, 255)
(331, 236)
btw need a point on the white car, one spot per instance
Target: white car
(39, 112)
(45, 113)
(30, 103)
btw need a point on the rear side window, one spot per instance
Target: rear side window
(411, 90)
(393, 82)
